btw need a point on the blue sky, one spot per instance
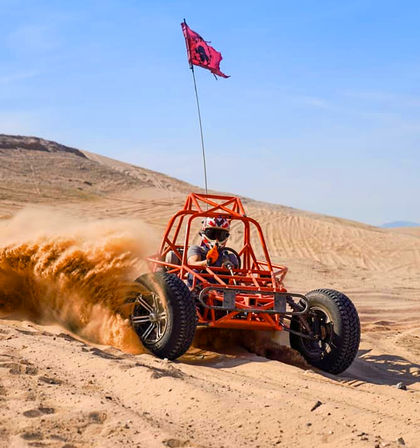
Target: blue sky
(321, 113)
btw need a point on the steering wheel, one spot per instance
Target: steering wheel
(233, 251)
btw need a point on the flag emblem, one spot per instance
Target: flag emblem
(200, 53)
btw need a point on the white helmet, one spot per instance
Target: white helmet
(215, 230)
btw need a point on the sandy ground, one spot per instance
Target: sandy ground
(62, 388)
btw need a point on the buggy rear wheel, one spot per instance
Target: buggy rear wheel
(164, 315)
(333, 318)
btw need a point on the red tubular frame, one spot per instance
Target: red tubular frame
(253, 277)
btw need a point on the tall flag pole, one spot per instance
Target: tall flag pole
(203, 55)
(201, 128)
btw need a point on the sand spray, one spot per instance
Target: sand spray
(75, 272)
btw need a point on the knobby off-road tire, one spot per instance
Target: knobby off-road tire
(339, 328)
(174, 316)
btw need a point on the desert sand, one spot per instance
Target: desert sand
(74, 229)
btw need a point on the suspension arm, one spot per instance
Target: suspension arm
(278, 305)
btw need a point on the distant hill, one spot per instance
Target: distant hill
(394, 224)
(35, 170)
(13, 142)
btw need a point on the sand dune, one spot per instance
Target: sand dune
(415, 231)
(59, 387)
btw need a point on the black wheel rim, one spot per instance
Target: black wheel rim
(150, 318)
(321, 324)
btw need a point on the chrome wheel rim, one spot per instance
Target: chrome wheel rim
(149, 318)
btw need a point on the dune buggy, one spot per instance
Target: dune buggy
(175, 298)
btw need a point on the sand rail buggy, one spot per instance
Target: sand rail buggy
(175, 298)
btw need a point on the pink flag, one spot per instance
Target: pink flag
(200, 53)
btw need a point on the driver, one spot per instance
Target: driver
(214, 235)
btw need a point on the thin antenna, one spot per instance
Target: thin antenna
(201, 128)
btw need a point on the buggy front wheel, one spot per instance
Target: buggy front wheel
(164, 315)
(334, 323)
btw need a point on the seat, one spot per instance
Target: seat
(172, 258)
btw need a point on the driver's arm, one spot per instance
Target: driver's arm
(195, 260)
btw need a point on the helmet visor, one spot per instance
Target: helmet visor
(216, 234)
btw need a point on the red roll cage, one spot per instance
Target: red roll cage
(253, 289)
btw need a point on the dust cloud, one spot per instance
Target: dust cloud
(74, 272)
